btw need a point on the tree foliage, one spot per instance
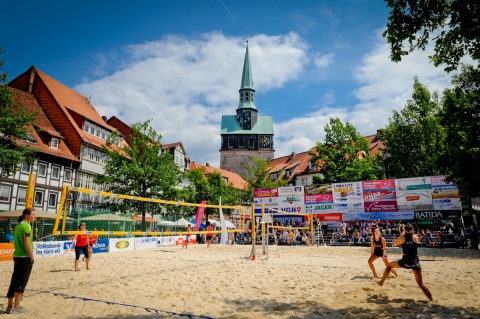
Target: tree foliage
(15, 124)
(210, 188)
(140, 169)
(258, 176)
(337, 156)
(414, 138)
(452, 24)
(461, 118)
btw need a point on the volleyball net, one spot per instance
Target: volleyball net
(264, 228)
(70, 215)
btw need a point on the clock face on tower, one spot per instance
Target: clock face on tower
(264, 141)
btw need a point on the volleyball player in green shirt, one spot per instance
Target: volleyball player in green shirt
(23, 261)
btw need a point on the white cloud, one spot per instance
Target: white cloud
(186, 85)
(382, 87)
(323, 61)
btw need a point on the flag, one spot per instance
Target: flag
(199, 216)
(224, 237)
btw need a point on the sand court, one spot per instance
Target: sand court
(222, 282)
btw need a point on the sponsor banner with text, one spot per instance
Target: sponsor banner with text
(6, 251)
(101, 246)
(145, 242)
(414, 193)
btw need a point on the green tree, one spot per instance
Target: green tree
(210, 188)
(15, 124)
(140, 169)
(461, 118)
(258, 176)
(414, 138)
(452, 24)
(337, 158)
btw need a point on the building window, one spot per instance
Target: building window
(241, 142)
(55, 172)
(38, 199)
(274, 176)
(42, 169)
(304, 181)
(311, 165)
(26, 168)
(52, 200)
(54, 143)
(5, 193)
(225, 179)
(87, 127)
(288, 173)
(22, 195)
(252, 142)
(92, 129)
(68, 175)
(230, 142)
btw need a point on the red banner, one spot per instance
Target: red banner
(199, 216)
(329, 217)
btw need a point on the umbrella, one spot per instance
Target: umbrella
(182, 222)
(202, 226)
(39, 214)
(165, 223)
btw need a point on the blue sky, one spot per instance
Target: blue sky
(179, 62)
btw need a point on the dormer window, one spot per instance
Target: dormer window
(54, 143)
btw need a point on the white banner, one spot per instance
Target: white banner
(50, 248)
(145, 242)
(121, 244)
(167, 240)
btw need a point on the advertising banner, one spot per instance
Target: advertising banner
(406, 215)
(6, 251)
(347, 197)
(145, 242)
(199, 215)
(101, 246)
(414, 193)
(267, 201)
(318, 189)
(318, 203)
(379, 196)
(447, 204)
(290, 191)
(265, 192)
(50, 248)
(329, 217)
(440, 189)
(122, 244)
(167, 241)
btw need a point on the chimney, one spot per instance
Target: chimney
(292, 155)
(30, 80)
(104, 118)
(207, 164)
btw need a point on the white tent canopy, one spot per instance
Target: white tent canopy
(107, 217)
(182, 222)
(38, 214)
(165, 223)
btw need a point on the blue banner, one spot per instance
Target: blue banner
(101, 246)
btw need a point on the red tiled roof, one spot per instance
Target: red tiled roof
(300, 163)
(376, 144)
(147, 219)
(236, 180)
(42, 123)
(65, 108)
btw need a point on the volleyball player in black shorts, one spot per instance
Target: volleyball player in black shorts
(410, 260)
(378, 249)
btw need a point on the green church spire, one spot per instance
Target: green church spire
(247, 92)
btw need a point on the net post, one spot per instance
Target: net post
(252, 253)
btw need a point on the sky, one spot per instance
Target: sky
(179, 63)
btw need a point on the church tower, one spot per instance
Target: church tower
(245, 134)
